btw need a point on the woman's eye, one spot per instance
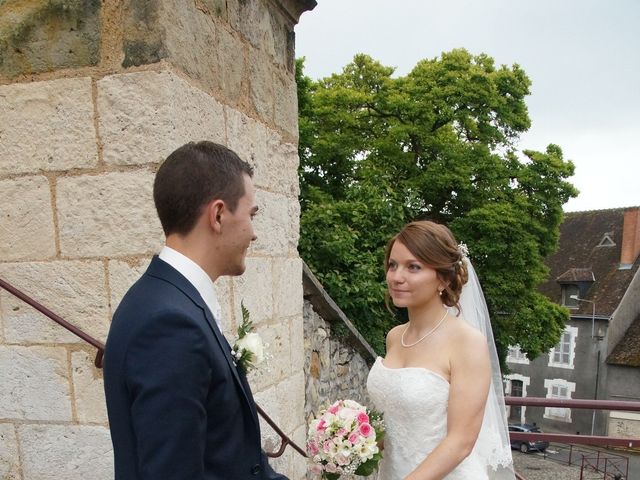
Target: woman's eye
(414, 267)
(392, 265)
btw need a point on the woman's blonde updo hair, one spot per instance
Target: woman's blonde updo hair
(435, 246)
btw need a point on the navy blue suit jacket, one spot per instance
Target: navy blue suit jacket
(178, 407)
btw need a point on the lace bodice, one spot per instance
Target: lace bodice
(414, 403)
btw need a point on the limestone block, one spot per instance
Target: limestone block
(281, 170)
(296, 328)
(286, 103)
(233, 66)
(123, 274)
(273, 224)
(299, 464)
(293, 208)
(270, 440)
(278, 366)
(287, 287)
(74, 290)
(143, 40)
(47, 125)
(248, 138)
(223, 287)
(233, 13)
(70, 452)
(290, 398)
(26, 221)
(44, 35)
(9, 460)
(88, 388)
(144, 116)
(261, 87)
(108, 215)
(191, 41)
(256, 25)
(27, 372)
(255, 289)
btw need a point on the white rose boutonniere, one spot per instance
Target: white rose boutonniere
(249, 349)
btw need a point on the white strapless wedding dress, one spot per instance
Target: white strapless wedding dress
(414, 403)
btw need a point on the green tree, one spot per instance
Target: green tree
(378, 151)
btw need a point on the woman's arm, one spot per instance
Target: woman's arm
(469, 387)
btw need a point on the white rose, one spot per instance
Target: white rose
(252, 343)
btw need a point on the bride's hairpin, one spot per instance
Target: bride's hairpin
(464, 251)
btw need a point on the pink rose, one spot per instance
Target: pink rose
(331, 467)
(316, 468)
(363, 418)
(312, 447)
(327, 446)
(353, 438)
(342, 459)
(365, 429)
(333, 408)
(322, 426)
(341, 432)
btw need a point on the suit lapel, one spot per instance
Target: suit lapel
(163, 270)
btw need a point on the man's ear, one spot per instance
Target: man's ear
(216, 210)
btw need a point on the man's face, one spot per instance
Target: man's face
(237, 229)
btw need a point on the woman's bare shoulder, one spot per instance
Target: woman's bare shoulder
(393, 335)
(467, 338)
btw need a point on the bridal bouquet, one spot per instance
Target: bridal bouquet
(343, 440)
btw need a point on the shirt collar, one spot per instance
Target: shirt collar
(196, 277)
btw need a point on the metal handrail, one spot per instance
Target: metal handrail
(100, 354)
(628, 406)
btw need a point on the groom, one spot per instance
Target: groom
(178, 407)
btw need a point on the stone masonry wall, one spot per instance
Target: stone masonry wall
(93, 96)
(337, 359)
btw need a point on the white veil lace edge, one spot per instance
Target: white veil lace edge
(492, 445)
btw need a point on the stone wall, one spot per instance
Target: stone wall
(93, 96)
(337, 357)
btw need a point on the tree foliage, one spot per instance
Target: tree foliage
(377, 151)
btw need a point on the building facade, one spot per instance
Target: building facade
(594, 274)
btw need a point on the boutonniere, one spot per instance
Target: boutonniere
(248, 350)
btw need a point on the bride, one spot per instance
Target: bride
(439, 385)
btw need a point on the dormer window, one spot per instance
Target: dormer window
(569, 290)
(607, 240)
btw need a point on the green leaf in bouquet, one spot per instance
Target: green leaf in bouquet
(369, 467)
(331, 476)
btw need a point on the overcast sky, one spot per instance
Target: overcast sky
(582, 56)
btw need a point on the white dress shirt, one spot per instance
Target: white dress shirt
(196, 277)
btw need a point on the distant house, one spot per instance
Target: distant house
(595, 275)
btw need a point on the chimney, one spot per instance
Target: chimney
(630, 238)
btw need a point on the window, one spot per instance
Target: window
(516, 386)
(515, 355)
(568, 291)
(563, 354)
(558, 388)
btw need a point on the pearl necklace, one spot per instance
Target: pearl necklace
(425, 335)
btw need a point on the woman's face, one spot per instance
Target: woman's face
(411, 283)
